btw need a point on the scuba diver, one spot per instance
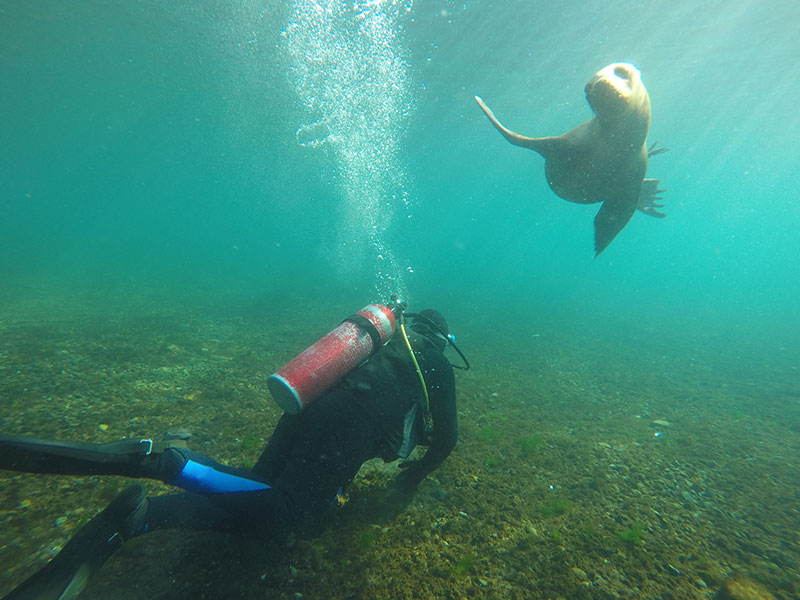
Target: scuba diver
(402, 394)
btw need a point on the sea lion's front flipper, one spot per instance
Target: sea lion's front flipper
(540, 145)
(649, 198)
(656, 149)
(610, 220)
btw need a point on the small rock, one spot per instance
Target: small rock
(483, 582)
(579, 573)
(660, 423)
(741, 587)
(59, 521)
(103, 427)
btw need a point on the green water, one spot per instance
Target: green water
(191, 193)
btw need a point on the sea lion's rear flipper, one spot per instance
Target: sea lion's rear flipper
(540, 145)
(610, 220)
(649, 198)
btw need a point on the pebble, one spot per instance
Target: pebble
(579, 573)
(103, 427)
(59, 521)
(660, 423)
(741, 587)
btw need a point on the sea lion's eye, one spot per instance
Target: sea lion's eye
(621, 72)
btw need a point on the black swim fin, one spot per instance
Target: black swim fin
(64, 577)
(130, 457)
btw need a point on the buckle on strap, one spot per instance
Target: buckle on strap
(149, 443)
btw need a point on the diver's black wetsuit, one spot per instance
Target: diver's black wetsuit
(375, 411)
(313, 455)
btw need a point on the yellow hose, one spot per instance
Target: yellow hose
(419, 373)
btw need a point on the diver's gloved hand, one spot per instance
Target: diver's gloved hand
(410, 476)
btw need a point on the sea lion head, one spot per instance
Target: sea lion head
(617, 92)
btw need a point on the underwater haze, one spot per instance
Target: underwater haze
(212, 186)
(144, 141)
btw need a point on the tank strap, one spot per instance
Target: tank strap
(369, 327)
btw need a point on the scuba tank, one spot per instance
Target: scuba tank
(307, 376)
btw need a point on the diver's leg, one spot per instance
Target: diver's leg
(279, 448)
(64, 577)
(197, 473)
(328, 445)
(335, 441)
(165, 460)
(129, 457)
(131, 514)
(266, 514)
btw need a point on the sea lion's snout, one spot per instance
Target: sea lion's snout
(624, 76)
(603, 96)
(622, 71)
(612, 88)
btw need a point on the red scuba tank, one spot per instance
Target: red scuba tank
(304, 379)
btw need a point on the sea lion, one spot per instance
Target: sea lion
(605, 159)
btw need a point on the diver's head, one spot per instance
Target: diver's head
(433, 326)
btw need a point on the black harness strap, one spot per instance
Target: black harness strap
(367, 325)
